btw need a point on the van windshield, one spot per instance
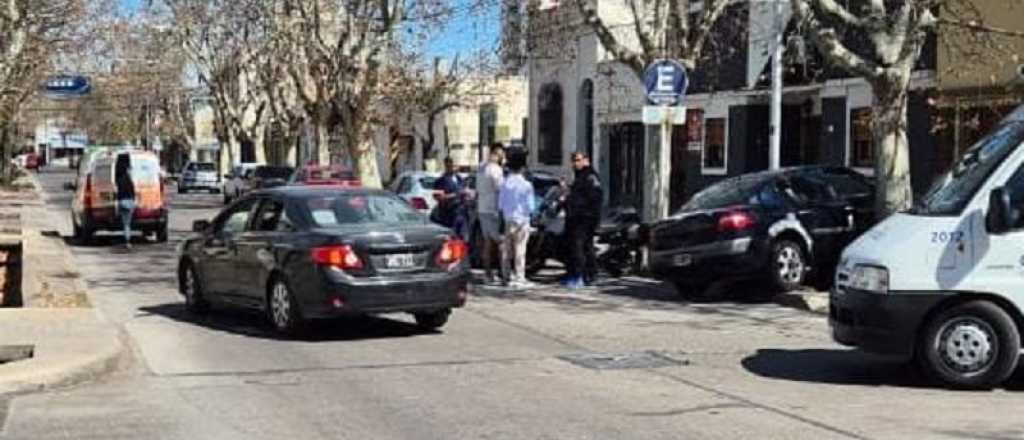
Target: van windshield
(954, 190)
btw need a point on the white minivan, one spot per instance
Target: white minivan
(943, 283)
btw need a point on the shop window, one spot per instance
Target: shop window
(714, 157)
(694, 129)
(862, 144)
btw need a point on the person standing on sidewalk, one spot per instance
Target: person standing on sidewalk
(583, 213)
(449, 189)
(125, 195)
(516, 203)
(489, 179)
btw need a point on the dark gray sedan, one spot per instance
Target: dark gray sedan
(301, 253)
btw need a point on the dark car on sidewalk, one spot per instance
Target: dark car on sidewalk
(299, 253)
(781, 226)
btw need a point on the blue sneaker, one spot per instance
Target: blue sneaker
(575, 283)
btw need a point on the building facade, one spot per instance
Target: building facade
(581, 99)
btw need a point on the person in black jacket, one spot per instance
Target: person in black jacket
(583, 213)
(125, 194)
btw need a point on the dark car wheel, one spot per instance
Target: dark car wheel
(974, 345)
(432, 320)
(283, 309)
(161, 234)
(788, 265)
(192, 289)
(83, 233)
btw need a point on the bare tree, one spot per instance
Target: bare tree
(881, 41)
(30, 32)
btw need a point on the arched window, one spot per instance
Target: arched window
(585, 140)
(549, 127)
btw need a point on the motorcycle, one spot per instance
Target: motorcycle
(620, 236)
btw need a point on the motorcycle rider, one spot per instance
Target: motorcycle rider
(583, 214)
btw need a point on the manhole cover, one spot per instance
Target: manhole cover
(622, 361)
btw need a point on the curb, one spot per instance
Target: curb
(814, 302)
(29, 378)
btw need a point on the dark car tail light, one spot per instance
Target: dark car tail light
(452, 252)
(341, 257)
(419, 203)
(87, 193)
(735, 221)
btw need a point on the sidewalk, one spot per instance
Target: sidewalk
(67, 340)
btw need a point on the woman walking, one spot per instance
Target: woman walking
(125, 195)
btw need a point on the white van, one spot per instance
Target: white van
(943, 283)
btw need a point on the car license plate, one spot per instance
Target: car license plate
(400, 261)
(683, 259)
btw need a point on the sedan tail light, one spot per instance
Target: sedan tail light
(87, 194)
(452, 252)
(735, 221)
(419, 203)
(341, 257)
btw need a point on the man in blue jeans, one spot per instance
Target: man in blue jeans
(125, 195)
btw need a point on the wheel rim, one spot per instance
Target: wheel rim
(280, 305)
(967, 345)
(789, 264)
(190, 286)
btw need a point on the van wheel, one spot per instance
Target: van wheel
(161, 234)
(788, 265)
(974, 345)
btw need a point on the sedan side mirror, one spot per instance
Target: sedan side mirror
(1001, 216)
(70, 186)
(200, 225)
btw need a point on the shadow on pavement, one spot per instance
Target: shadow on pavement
(253, 324)
(844, 367)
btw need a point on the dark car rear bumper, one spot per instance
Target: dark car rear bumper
(737, 258)
(879, 323)
(403, 293)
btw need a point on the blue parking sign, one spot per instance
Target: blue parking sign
(665, 82)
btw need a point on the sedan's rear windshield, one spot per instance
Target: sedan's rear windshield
(273, 172)
(204, 167)
(735, 191)
(427, 182)
(350, 209)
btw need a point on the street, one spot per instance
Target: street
(503, 368)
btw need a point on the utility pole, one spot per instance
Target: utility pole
(775, 127)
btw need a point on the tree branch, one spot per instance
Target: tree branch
(633, 60)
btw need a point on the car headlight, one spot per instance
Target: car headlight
(873, 279)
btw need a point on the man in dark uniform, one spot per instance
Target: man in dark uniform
(449, 188)
(583, 214)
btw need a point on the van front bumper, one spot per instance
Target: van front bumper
(883, 323)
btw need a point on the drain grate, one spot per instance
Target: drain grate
(622, 361)
(11, 353)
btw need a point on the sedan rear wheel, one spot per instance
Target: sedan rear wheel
(432, 320)
(284, 313)
(788, 265)
(192, 289)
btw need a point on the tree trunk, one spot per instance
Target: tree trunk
(893, 192)
(364, 156)
(322, 155)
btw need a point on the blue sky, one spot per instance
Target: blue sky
(464, 34)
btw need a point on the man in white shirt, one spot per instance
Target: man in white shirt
(516, 203)
(489, 178)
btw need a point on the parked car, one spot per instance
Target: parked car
(236, 182)
(267, 176)
(301, 252)
(417, 188)
(199, 175)
(775, 225)
(93, 207)
(335, 175)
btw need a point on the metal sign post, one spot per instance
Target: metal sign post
(665, 82)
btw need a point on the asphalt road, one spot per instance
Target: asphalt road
(499, 370)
